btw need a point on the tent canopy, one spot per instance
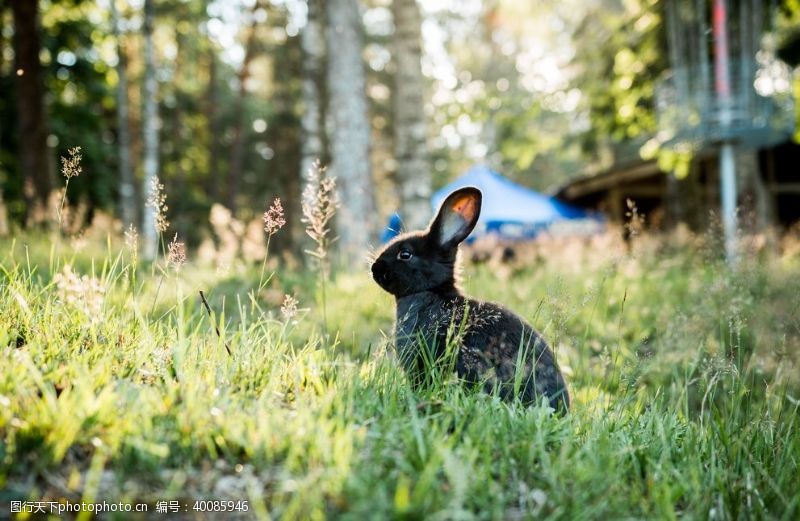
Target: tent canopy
(512, 210)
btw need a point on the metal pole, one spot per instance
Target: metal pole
(727, 171)
(727, 165)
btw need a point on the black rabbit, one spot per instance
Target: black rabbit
(495, 347)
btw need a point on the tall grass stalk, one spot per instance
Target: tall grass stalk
(70, 167)
(157, 201)
(319, 205)
(274, 220)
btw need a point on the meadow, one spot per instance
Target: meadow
(683, 372)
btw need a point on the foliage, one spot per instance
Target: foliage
(622, 47)
(788, 33)
(541, 90)
(197, 107)
(683, 376)
(544, 88)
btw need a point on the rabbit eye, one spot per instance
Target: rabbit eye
(404, 255)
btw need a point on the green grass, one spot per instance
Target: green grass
(684, 378)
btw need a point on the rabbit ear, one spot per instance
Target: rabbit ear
(457, 217)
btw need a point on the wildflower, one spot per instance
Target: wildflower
(274, 218)
(176, 254)
(71, 166)
(289, 307)
(157, 200)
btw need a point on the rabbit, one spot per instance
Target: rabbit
(419, 270)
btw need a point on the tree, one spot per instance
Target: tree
(621, 51)
(312, 41)
(284, 136)
(788, 33)
(348, 127)
(238, 145)
(30, 104)
(127, 193)
(410, 133)
(212, 121)
(150, 135)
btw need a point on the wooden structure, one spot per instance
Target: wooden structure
(665, 200)
(720, 91)
(727, 97)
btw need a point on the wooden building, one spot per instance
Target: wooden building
(768, 188)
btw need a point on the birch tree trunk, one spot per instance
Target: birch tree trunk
(30, 104)
(348, 127)
(150, 136)
(410, 133)
(127, 193)
(312, 42)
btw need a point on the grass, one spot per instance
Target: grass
(684, 378)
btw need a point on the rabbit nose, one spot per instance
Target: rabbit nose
(379, 268)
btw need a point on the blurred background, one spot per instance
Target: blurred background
(601, 106)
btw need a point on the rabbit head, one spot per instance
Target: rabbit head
(425, 260)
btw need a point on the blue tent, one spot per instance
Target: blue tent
(514, 211)
(393, 228)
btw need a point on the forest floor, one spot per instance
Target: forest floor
(114, 387)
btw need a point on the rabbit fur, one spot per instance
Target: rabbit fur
(418, 268)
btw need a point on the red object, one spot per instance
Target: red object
(722, 82)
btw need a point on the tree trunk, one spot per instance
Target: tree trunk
(286, 137)
(410, 133)
(3, 216)
(237, 147)
(3, 209)
(150, 135)
(30, 104)
(179, 146)
(348, 128)
(312, 42)
(212, 120)
(127, 192)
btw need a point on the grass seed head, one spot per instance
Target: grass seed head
(157, 200)
(274, 218)
(176, 254)
(289, 307)
(71, 165)
(320, 202)
(132, 238)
